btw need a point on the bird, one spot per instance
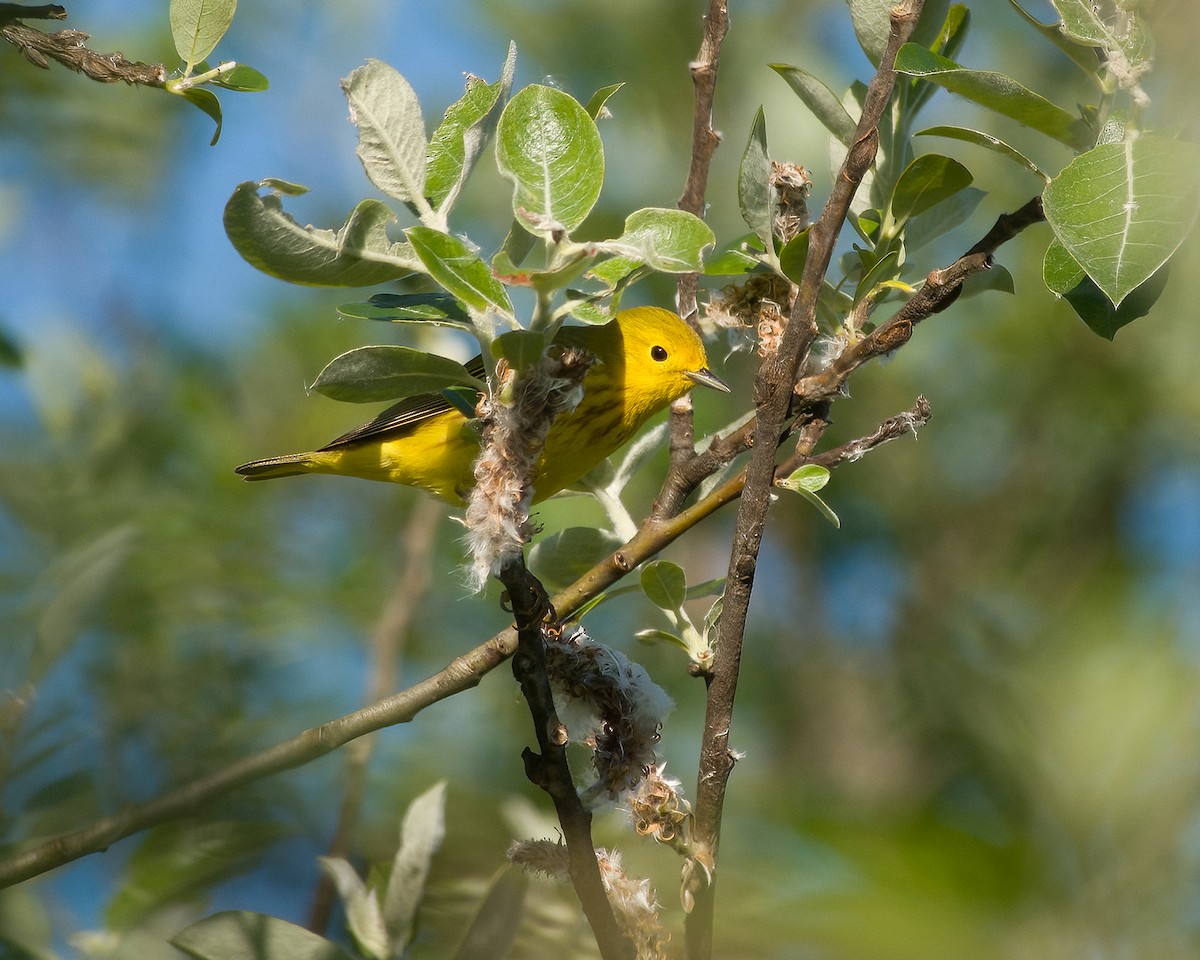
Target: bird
(645, 358)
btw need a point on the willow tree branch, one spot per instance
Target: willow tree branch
(773, 396)
(704, 143)
(548, 768)
(68, 48)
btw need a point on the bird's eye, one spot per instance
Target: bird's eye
(658, 353)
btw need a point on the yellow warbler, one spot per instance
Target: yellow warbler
(645, 358)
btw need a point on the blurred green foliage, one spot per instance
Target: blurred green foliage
(968, 716)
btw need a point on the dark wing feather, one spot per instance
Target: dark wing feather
(404, 414)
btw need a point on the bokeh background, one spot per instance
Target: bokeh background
(969, 716)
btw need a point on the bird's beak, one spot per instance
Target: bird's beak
(706, 378)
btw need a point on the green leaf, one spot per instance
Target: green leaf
(391, 130)
(950, 37)
(463, 133)
(994, 278)
(758, 201)
(561, 558)
(997, 92)
(435, 308)
(793, 256)
(1085, 57)
(359, 254)
(238, 935)
(519, 347)
(665, 584)
(925, 182)
(198, 25)
(242, 78)
(981, 139)
(493, 929)
(885, 269)
(421, 835)
(662, 636)
(825, 105)
(179, 860)
(941, 218)
(550, 149)
(1066, 278)
(872, 24)
(207, 101)
(1122, 209)
(363, 916)
(596, 108)
(458, 270)
(389, 372)
(729, 263)
(671, 241)
(1093, 24)
(807, 481)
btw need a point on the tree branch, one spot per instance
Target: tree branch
(68, 48)
(704, 143)
(548, 769)
(773, 395)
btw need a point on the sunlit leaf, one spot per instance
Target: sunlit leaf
(672, 241)
(197, 26)
(243, 79)
(1122, 209)
(550, 149)
(664, 584)
(563, 557)
(389, 372)
(596, 108)
(435, 308)
(363, 915)
(997, 92)
(358, 254)
(207, 101)
(941, 218)
(927, 181)
(758, 201)
(806, 481)
(458, 269)
(1111, 27)
(1085, 57)
(1065, 277)
(391, 130)
(463, 133)
(238, 935)
(494, 927)
(519, 348)
(421, 835)
(981, 139)
(825, 105)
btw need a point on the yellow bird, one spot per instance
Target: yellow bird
(645, 358)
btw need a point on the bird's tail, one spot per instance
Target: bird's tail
(291, 465)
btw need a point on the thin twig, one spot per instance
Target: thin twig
(773, 394)
(387, 647)
(705, 139)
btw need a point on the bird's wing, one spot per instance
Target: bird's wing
(404, 414)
